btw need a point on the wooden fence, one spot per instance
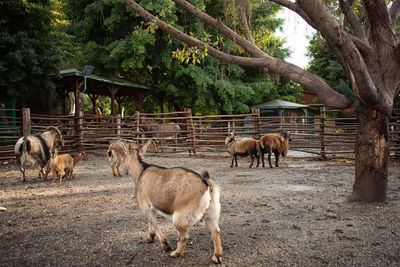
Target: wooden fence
(321, 135)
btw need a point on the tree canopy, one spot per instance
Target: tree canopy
(118, 43)
(29, 54)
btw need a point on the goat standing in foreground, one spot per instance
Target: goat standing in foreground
(184, 195)
(118, 149)
(36, 150)
(244, 146)
(279, 144)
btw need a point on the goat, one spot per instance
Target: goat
(162, 131)
(118, 149)
(242, 146)
(184, 195)
(277, 143)
(62, 166)
(36, 150)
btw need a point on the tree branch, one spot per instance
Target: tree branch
(295, 8)
(324, 92)
(243, 20)
(352, 18)
(343, 46)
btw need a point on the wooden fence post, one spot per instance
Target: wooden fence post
(137, 118)
(256, 122)
(322, 133)
(26, 121)
(190, 131)
(118, 121)
(78, 127)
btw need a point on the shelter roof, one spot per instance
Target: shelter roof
(72, 78)
(280, 104)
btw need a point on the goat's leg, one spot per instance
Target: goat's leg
(182, 226)
(258, 159)
(152, 234)
(236, 164)
(152, 218)
(113, 171)
(252, 160)
(262, 158)
(119, 164)
(23, 176)
(269, 157)
(211, 220)
(233, 158)
(276, 158)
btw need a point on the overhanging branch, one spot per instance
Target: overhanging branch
(324, 92)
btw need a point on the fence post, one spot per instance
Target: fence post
(118, 121)
(190, 131)
(256, 122)
(137, 117)
(322, 133)
(26, 121)
(78, 127)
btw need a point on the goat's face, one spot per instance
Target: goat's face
(229, 139)
(286, 135)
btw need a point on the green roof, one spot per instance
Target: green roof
(121, 82)
(280, 104)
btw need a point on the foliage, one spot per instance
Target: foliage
(28, 53)
(323, 63)
(114, 40)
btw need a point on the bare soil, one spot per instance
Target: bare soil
(296, 214)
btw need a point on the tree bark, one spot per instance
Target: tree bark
(372, 156)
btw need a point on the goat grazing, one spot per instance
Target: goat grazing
(36, 150)
(184, 195)
(246, 146)
(118, 149)
(279, 144)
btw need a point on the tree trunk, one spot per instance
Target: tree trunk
(372, 156)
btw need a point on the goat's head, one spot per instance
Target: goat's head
(229, 139)
(58, 138)
(286, 135)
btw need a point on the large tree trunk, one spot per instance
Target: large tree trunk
(372, 156)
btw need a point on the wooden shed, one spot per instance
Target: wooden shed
(77, 82)
(287, 111)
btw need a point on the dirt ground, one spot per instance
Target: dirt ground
(294, 215)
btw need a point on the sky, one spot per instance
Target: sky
(295, 30)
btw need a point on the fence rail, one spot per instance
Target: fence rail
(320, 135)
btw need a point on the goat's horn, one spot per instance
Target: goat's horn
(57, 131)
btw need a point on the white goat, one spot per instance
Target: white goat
(36, 150)
(185, 195)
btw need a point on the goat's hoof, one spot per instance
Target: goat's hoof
(217, 259)
(166, 247)
(175, 254)
(150, 238)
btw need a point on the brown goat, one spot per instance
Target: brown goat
(184, 195)
(61, 166)
(118, 149)
(279, 144)
(244, 146)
